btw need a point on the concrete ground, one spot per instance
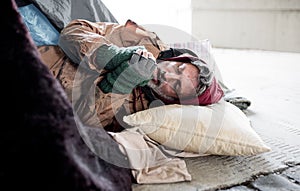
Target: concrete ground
(271, 80)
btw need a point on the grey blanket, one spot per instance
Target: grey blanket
(60, 13)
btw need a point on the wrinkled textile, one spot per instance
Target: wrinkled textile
(150, 162)
(41, 30)
(60, 13)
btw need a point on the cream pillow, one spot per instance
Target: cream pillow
(218, 129)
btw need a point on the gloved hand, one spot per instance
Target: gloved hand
(136, 72)
(111, 56)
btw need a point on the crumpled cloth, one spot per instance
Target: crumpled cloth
(151, 162)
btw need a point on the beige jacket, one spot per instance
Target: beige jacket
(76, 70)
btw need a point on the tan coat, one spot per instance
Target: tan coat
(79, 75)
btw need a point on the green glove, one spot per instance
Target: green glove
(137, 72)
(111, 56)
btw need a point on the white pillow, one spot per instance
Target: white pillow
(218, 129)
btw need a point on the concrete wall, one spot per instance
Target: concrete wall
(253, 24)
(173, 13)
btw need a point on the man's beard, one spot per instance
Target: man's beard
(157, 90)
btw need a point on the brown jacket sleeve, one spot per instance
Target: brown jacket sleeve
(80, 38)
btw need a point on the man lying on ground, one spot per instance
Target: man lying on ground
(111, 70)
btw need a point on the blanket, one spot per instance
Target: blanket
(41, 147)
(60, 13)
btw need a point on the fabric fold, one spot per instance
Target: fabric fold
(149, 161)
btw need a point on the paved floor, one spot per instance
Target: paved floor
(271, 80)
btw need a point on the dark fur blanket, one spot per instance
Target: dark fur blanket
(41, 148)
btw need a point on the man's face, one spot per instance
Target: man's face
(175, 80)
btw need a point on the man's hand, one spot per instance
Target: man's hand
(143, 62)
(135, 72)
(111, 56)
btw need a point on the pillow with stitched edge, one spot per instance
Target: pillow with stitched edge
(218, 129)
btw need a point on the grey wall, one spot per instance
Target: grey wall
(253, 24)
